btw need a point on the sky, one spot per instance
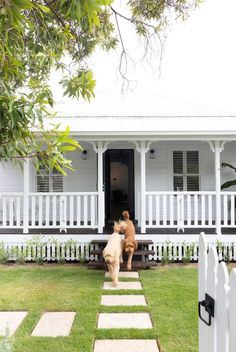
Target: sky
(197, 75)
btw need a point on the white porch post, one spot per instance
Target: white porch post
(142, 148)
(26, 197)
(217, 147)
(100, 148)
(217, 187)
(143, 186)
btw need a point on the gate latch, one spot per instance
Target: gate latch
(209, 305)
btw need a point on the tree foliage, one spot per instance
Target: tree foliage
(37, 36)
(229, 183)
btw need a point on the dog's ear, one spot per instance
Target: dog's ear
(114, 225)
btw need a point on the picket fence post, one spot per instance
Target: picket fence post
(222, 307)
(202, 272)
(211, 290)
(214, 280)
(232, 311)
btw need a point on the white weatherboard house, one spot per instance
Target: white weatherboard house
(166, 170)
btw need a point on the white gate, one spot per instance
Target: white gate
(217, 302)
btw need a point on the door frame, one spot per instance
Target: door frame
(107, 181)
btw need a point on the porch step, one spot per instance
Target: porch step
(138, 252)
(135, 265)
(140, 258)
(140, 242)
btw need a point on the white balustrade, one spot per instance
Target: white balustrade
(180, 209)
(228, 201)
(11, 210)
(63, 210)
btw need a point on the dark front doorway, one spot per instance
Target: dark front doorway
(119, 183)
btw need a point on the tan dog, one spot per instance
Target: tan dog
(112, 253)
(129, 244)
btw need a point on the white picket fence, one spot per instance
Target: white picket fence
(50, 252)
(215, 281)
(74, 250)
(188, 251)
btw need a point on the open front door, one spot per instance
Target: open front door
(119, 183)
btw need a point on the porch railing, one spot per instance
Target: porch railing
(180, 209)
(11, 209)
(57, 210)
(228, 202)
(80, 210)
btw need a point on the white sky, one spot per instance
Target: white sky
(198, 71)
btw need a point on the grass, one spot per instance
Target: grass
(171, 294)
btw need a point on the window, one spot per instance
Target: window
(186, 170)
(49, 180)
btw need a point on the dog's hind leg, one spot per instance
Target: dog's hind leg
(129, 263)
(116, 270)
(121, 257)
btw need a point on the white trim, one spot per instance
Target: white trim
(20, 238)
(26, 196)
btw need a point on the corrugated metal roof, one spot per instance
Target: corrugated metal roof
(146, 116)
(161, 126)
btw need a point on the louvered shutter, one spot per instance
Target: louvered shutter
(49, 180)
(186, 171)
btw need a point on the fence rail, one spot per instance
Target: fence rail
(217, 302)
(26, 252)
(72, 250)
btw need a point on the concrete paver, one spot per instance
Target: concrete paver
(125, 345)
(10, 321)
(123, 286)
(124, 321)
(123, 300)
(129, 274)
(54, 324)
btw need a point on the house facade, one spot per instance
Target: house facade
(166, 170)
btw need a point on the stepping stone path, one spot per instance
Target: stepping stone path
(10, 321)
(54, 324)
(125, 345)
(130, 274)
(124, 320)
(123, 300)
(123, 286)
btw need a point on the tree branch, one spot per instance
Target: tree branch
(130, 19)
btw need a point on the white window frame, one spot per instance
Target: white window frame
(185, 174)
(50, 176)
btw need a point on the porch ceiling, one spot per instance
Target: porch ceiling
(153, 127)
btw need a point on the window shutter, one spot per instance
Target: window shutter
(57, 183)
(186, 171)
(49, 180)
(42, 183)
(178, 162)
(193, 183)
(178, 183)
(192, 162)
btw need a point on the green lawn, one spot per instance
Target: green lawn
(171, 294)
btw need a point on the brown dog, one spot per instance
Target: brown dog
(129, 244)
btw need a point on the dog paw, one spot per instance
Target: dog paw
(129, 267)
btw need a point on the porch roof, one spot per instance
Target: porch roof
(163, 127)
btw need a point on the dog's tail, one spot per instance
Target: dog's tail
(108, 259)
(125, 215)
